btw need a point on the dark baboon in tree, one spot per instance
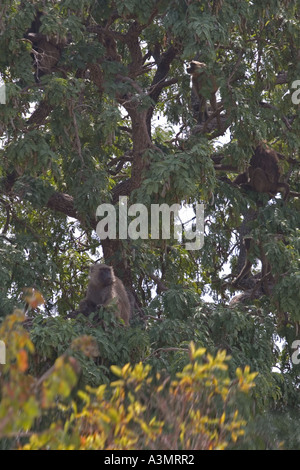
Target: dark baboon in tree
(204, 88)
(46, 51)
(102, 288)
(263, 174)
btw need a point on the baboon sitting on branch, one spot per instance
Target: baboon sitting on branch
(263, 174)
(102, 288)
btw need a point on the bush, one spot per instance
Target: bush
(200, 409)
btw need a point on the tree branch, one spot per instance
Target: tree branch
(161, 287)
(40, 114)
(159, 82)
(64, 203)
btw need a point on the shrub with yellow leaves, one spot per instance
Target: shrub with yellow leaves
(139, 410)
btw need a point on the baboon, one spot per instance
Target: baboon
(204, 87)
(47, 55)
(86, 307)
(46, 51)
(264, 173)
(102, 288)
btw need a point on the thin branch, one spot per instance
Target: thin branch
(77, 138)
(160, 284)
(7, 208)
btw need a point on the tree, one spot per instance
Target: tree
(98, 106)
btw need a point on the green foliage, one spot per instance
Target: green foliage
(114, 116)
(201, 412)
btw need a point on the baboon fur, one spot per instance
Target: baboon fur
(204, 87)
(102, 288)
(264, 172)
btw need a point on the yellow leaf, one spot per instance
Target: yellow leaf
(199, 352)
(222, 419)
(125, 369)
(116, 370)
